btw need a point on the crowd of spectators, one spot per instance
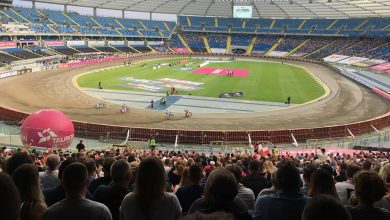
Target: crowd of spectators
(149, 184)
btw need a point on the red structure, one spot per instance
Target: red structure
(96, 131)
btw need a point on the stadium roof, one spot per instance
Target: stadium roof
(261, 8)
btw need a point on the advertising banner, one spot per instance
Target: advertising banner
(368, 63)
(7, 44)
(8, 74)
(352, 60)
(381, 67)
(97, 43)
(277, 53)
(218, 50)
(80, 63)
(334, 58)
(116, 42)
(54, 43)
(75, 43)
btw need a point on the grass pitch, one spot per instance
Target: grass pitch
(267, 81)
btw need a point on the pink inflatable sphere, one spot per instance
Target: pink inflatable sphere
(47, 128)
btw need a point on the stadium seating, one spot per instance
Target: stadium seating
(125, 49)
(40, 28)
(264, 43)
(175, 42)
(106, 49)
(195, 42)
(108, 22)
(6, 58)
(65, 50)
(338, 45)
(352, 27)
(360, 48)
(21, 53)
(57, 17)
(290, 43)
(241, 40)
(142, 49)
(85, 49)
(217, 41)
(313, 45)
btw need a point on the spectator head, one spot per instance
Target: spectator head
(288, 178)
(52, 162)
(26, 178)
(121, 172)
(255, 166)
(90, 164)
(75, 179)
(17, 159)
(384, 171)
(221, 187)
(366, 165)
(308, 170)
(150, 182)
(63, 165)
(235, 170)
(184, 177)
(167, 162)
(325, 207)
(107, 163)
(9, 199)
(369, 187)
(195, 173)
(352, 169)
(321, 182)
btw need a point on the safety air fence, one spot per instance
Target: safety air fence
(102, 131)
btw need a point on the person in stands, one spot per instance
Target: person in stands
(9, 198)
(26, 178)
(56, 194)
(75, 206)
(106, 179)
(220, 195)
(245, 194)
(308, 170)
(256, 180)
(369, 188)
(113, 194)
(149, 199)
(193, 191)
(49, 178)
(80, 146)
(16, 160)
(325, 207)
(288, 202)
(345, 188)
(184, 181)
(321, 182)
(385, 201)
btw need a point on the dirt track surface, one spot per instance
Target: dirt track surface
(347, 102)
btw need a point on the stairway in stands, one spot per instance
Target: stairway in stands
(250, 47)
(206, 43)
(184, 42)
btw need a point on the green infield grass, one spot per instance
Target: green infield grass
(266, 81)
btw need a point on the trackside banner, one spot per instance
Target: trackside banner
(7, 44)
(54, 43)
(96, 61)
(75, 43)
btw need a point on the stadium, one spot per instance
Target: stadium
(192, 79)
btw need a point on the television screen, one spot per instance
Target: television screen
(242, 11)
